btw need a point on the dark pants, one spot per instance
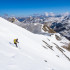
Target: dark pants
(16, 44)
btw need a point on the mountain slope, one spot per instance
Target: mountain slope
(34, 52)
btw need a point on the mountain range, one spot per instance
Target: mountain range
(59, 23)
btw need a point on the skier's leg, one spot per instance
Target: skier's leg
(16, 45)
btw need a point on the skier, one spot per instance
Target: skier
(16, 41)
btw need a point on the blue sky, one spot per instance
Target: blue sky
(28, 7)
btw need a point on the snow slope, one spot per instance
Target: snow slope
(33, 53)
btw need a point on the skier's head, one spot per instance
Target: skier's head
(16, 38)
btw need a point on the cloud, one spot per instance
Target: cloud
(46, 14)
(66, 14)
(49, 14)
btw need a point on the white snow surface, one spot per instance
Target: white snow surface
(30, 54)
